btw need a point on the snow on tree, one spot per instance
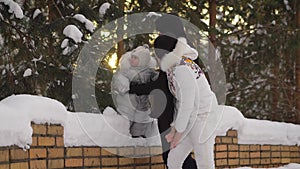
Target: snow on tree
(88, 24)
(28, 72)
(13, 8)
(73, 32)
(103, 8)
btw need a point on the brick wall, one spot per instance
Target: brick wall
(230, 154)
(48, 151)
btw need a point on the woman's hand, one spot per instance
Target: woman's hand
(169, 137)
(176, 139)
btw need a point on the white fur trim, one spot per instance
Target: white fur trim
(181, 49)
(124, 62)
(168, 61)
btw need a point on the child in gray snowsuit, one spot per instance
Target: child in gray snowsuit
(136, 66)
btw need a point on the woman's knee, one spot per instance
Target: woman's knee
(174, 162)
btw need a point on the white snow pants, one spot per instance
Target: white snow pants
(204, 153)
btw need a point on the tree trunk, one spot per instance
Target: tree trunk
(275, 92)
(212, 38)
(297, 18)
(120, 48)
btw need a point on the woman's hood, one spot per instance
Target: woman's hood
(181, 49)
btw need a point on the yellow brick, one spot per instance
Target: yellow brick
(46, 141)
(23, 165)
(38, 164)
(218, 140)
(226, 140)
(295, 160)
(4, 155)
(126, 161)
(126, 151)
(294, 148)
(91, 152)
(244, 161)
(221, 162)
(55, 152)
(74, 162)
(121, 167)
(37, 153)
(39, 129)
(55, 163)
(155, 150)
(145, 160)
(234, 140)
(92, 162)
(255, 161)
(254, 147)
(143, 167)
(220, 155)
(275, 160)
(109, 161)
(221, 147)
(244, 154)
(265, 154)
(244, 147)
(254, 154)
(59, 142)
(265, 148)
(232, 133)
(4, 166)
(142, 151)
(275, 154)
(285, 160)
(232, 162)
(233, 154)
(275, 148)
(108, 151)
(157, 159)
(285, 154)
(55, 130)
(233, 147)
(295, 154)
(74, 152)
(34, 141)
(285, 148)
(159, 166)
(18, 154)
(266, 161)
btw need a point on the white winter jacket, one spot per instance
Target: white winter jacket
(135, 108)
(188, 84)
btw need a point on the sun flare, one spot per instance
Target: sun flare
(112, 61)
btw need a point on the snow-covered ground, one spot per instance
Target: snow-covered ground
(289, 166)
(111, 129)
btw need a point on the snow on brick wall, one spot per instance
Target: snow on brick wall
(48, 151)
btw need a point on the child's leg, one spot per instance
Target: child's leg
(178, 154)
(138, 129)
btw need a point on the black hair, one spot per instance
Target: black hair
(164, 44)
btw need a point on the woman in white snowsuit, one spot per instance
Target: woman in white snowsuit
(136, 66)
(196, 118)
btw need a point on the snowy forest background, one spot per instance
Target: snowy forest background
(258, 42)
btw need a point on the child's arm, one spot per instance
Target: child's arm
(146, 88)
(120, 84)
